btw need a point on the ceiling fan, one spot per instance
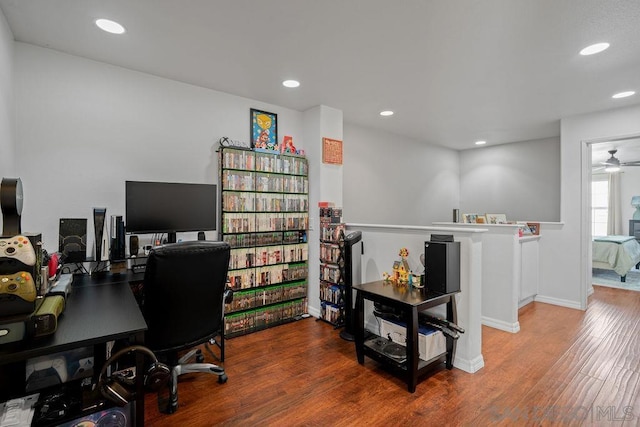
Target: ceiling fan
(613, 164)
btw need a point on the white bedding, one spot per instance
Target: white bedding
(617, 253)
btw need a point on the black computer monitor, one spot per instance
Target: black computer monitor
(169, 207)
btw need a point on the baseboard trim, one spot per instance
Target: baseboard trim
(471, 366)
(558, 301)
(314, 312)
(502, 325)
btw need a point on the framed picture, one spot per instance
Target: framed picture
(534, 227)
(331, 151)
(264, 130)
(496, 219)
(481, 219)
(469, 218)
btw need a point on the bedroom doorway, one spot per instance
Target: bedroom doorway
(610, 203)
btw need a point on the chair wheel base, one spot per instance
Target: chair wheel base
(222, 378)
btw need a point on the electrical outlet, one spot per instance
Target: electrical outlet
(311, 224)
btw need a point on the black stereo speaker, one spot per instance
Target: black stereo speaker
(117, 239)
(72, 239)
(120, 386)
(442, 266)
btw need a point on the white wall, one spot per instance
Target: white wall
(520, 179)
(389, 179)
(571, 260)
(7, 156)
(84, 127)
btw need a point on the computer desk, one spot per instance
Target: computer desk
(99, 309)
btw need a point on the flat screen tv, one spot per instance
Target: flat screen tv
(168, 207)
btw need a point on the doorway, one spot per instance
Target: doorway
(595, 155)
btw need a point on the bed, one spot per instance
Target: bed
(617, 253)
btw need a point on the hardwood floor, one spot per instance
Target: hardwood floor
(565, 367)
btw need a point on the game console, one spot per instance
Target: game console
(85, 367)
(15, 328)
(17, 294)
(62, 286)
(18, 248)
(45, 371)
(45, 319)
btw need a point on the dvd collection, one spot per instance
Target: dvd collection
(263, 317)
(268, 238)
(331, 264)
(267, 255)
(246, 299)
(265, 205)
(329, 252)
(263, 222)
(238, 201)
(264, 162)
(331, 292)
(331, 313)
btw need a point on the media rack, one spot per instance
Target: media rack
(264, 217)
(332, 264)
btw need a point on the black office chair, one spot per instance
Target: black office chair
(184, 296)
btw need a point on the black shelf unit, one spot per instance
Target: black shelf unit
(264, 201)
(332, 273)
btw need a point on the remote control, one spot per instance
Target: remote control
(18, 248)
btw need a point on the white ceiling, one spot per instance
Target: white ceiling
(453, 71)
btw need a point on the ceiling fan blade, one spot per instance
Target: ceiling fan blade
(636, 163)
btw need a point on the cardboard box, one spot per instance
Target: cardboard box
(431, 342)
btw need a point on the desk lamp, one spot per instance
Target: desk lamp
(635, 202)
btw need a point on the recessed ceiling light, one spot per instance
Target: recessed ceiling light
(110, 26)
(594, 48)
(624, 94)
(386, 113)
(481, 142)
(290, 83)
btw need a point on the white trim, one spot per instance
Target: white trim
(558, 301)
(471, 366)
(502, 325)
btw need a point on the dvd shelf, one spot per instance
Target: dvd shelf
(331, 265)
(264, 218)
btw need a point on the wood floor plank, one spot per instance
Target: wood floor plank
(304, 374)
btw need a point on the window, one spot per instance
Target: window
(599, 205)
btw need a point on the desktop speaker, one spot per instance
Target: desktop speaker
(72, 239)
(442, 266)
(134, 246)
(117, 239)
(120, 386)
(101, 243)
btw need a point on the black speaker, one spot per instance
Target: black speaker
(72, 239)
(134, 246)
(118, 244)
(442, 266)
(120, 387)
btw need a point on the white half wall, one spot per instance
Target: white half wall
(382, 244)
